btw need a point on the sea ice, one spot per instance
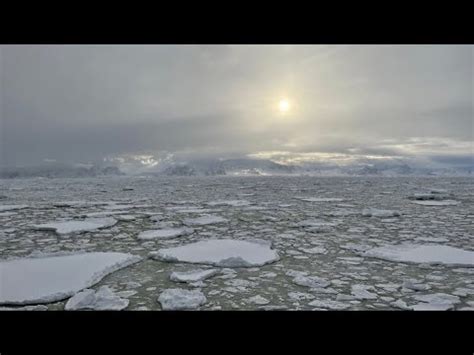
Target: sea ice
(76, 226)
(437, 203)
(193, 275)
(204, 220)
(259, 300)
(12, 207)
(419, 253)
(220, 252)
(180, 299)
(328, 304)
(320, 199)
(165, 233)
(311, 281)
(54, 278)
(102, 299)
(374, 212)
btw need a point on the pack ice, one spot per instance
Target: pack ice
(220, 252)
(12, 207)
(54, 278)
(419, 253)
(436, 203)
(67, 227)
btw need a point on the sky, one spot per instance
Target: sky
(106, 102)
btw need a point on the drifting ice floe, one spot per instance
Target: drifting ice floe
(220, 252)
(437, 203)
(168, 233)
(419, 253)
(329, 304)
(374, 212)
(54, 278)
(233, 203)
(435, 302)
(12, 207)
(103, 299)
(320, 199)
(67, 227)
(311, 281)
(204, 220)
(193, 275)
(179, 299)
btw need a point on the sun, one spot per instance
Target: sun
(284, 106)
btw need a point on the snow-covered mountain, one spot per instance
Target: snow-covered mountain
(59, 171)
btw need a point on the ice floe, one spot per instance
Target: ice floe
(435, 302)
(374, 212)
(167, 233)
(193, 275)
(4, 208)
(220, 252)
(76, 226)
(180, 299)
(419, 253)
(204, 220)
(334, 305)
(311, 281)
(100, 300)
(437, 203)
(54, 278)
(320, 199)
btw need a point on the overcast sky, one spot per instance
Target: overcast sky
(87, 103)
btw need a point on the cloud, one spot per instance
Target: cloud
(85, 103)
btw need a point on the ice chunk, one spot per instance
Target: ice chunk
(311, 281)
(54, 278)
(77, 226)
(361, 292)
(165, 233)
(259, 300)
(320, 199)
(204, 220)
(419, 253)
(179, 299)
(220, 252)
(437, 203)
(193, 275)
(103, 299)
(374, 212)
(435, 302)
(328, 304)
(233, 203)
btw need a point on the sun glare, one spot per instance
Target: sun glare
(284, 106)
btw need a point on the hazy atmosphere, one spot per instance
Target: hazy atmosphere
(291, 104)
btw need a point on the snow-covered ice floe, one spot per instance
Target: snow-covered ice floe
(436, 203)
(180, 299)
(419, 253)
(76, 226)
(100, 300)
(204, 220)
(193, 275)
(167, 233)
(220, 252)
(435, 302)
(54, 278)
(374, 212)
